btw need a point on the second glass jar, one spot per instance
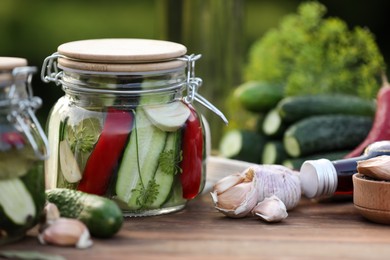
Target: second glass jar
(130, 135)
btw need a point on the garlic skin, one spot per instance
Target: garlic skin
(271, 209)
(235, 195)
(51, 213)
(66, 232)
(376, 167)
(280, 181)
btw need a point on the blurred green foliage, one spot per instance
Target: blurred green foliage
(34, 29)
(310, 54)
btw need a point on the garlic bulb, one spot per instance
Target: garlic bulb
(235, 195)
(376, 167)
(279, 181)
(271, 209)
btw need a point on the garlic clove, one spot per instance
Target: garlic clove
(66, 232)
(271, 209)
(232, 198)
(238, 200)
(51, 212)
(376, 167)
(227, 182)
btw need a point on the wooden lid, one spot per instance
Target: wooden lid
(9, 63)
(121, 55)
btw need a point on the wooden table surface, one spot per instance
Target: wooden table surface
(331, 230)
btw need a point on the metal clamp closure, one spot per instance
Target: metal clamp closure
(49, 71)
(23, 114)
(193, 83)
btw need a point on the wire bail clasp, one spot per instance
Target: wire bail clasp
(194, 83)
(49, 71)
(24, 113)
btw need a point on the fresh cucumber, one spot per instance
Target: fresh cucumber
(140, 162)
(102, 216)
(296, 163)
(325, 133)
(242, 145)
(273, 152)
(258, 96)
(292, 109)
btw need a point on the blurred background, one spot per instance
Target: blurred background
(221, 30)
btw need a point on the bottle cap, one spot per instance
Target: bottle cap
(318, 178)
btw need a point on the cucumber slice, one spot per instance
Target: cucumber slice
(16, 201)
(69, 166)
(51, 165)
(168, 117)
(164, 177)
(140, 160)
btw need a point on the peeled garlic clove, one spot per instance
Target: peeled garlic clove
(66, 232)
(376, 167)
(238, 200)
(271, 209)
(279, 181)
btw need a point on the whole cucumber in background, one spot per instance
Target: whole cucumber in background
(325, 133)
(258, 96)
(242, 145)
(292, 109)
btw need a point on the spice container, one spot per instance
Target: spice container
(126, 127)
(23, 147)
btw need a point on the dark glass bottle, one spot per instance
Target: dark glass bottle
(325, 178)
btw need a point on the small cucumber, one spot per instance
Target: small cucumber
(325, 133)
(258, 96)
(292, 109)
(102, 216)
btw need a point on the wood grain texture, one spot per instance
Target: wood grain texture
(312, 231)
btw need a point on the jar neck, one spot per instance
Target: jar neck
(124, 90)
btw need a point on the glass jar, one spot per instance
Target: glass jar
(23, 147)
(124, 128)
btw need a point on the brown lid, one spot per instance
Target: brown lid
(127, 55)
(9, 63)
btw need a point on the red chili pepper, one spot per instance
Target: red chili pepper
(192, 163)
(107, 152)
(380, 129)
